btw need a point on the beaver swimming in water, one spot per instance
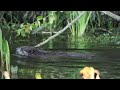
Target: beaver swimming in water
(36, 52)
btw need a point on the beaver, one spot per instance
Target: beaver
(30, 51)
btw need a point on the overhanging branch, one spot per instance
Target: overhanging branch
(61, 31)
(112, 15)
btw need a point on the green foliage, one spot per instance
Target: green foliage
(79, 27)
(25, 22)
(1, 47)
(84, 22)
(0, 40)
(87, 42)
(26, 29)
(39, 18)
(51, 22)
(5, 54)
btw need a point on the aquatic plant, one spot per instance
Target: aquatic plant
(5, 54)
(79, 27)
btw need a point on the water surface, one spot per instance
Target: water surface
(107, 61)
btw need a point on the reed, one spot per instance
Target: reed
(5, 54)
(79, 27)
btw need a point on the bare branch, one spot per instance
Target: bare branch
(61, 31)
(114, 16)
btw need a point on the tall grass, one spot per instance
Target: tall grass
(5, 54)
(1, 49)
(79, 27)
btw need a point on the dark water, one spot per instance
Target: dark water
(107, 61)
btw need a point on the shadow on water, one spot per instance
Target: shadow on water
(106, 61)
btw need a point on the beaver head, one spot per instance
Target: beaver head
(26, 50)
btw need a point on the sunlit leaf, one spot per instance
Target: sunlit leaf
(39, 17)
(44, 19)
(33, 25)
(23, 33)
(30, 27)
(38, 76)
(21, 26)
(19, 31)
(38, 23)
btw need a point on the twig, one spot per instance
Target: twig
(114, 16)
(61, 31)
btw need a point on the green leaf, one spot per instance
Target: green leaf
(39, 17)
(1, 45)
(31, 26)
(21, 26)
(23, 33)
(7, 56)
(36, 24)
(39, 23)
(0, 40)
(19, 31)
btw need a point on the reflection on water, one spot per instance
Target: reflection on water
(106, 61)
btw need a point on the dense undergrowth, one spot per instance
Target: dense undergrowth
(93, 24)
